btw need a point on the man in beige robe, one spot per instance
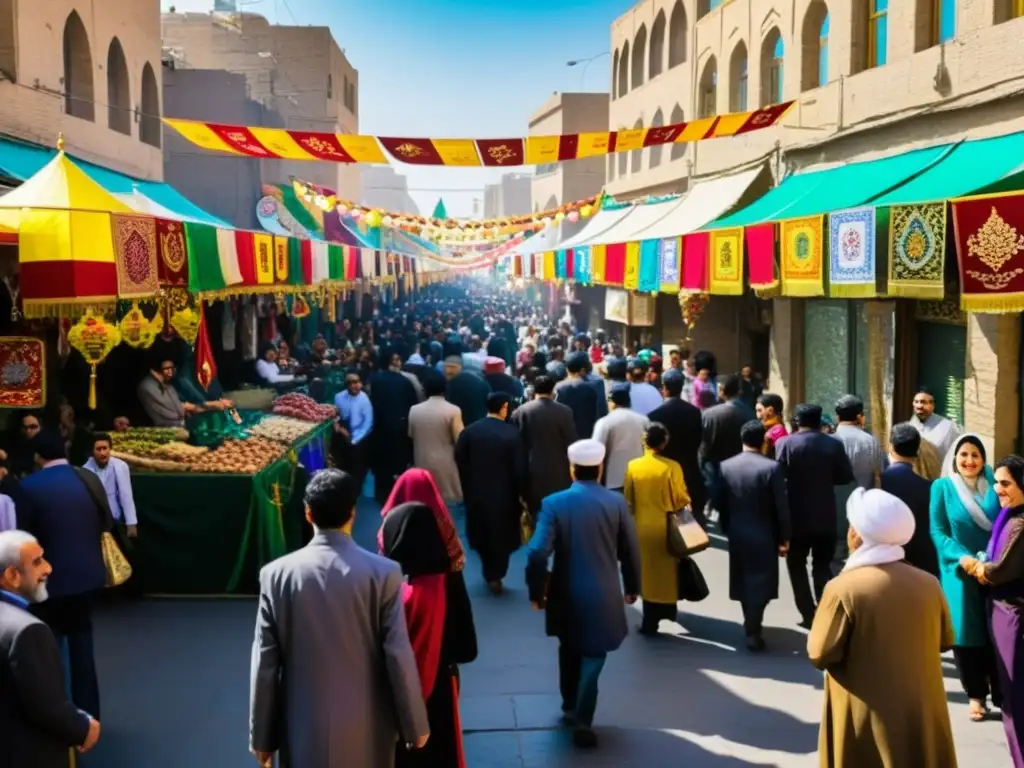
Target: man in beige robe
(878, 632)
(435, 426)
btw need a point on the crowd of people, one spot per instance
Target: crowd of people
(537, 435)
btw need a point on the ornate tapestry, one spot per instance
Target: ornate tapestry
(989, 234)
(851, 251)
(22, 372)
(668, 265)
(803, 263)
(135, 255)
(917, 248)
(172, 267)
(726, 262)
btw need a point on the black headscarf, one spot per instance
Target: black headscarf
(412, 539)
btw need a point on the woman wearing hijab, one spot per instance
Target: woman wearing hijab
(440, 622)
(1002, 569)
(963, 507)
(885, 702)
(418, 485)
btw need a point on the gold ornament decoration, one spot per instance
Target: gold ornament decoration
(692, 306)
(185, 322)
(996, 242)
(94, 338)
(137, 330)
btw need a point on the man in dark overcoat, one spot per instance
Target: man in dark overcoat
(685, 431)
(547, 429)
(489, 455)
(754, 515)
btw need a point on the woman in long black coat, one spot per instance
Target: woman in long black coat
(440, 620)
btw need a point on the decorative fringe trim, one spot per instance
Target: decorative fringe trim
(803, 289)
(726, 289)
(909, 290)
(772, 290)
(852, 290)
(43, 309)
(996, 304)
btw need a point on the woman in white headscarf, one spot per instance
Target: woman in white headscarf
(964, 507)
(885, 701)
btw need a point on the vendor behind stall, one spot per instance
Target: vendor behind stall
(270, 372)
(159, 397)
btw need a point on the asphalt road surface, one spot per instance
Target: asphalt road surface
(174, 681)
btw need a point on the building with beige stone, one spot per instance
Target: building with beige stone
(300, 73)
(868, 79)
(88, 70)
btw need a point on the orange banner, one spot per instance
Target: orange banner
(453, 152)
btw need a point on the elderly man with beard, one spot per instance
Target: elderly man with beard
(38, 723)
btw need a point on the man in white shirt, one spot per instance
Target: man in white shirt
(117, 482)
(937, 430)
(622, 434)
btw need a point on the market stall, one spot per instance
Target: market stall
(215, 509)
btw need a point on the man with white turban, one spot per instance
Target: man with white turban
(589, 530)
(878, 632)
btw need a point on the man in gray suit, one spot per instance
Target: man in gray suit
(38, 725)
(334, 682)
(754, 514)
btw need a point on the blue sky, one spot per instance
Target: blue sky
(455, 68)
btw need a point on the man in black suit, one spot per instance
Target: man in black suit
(547, 429)
(38, 723)
(814, 463)
(722, 425)
(580, 395)
(755, 517)
(685, 431)
(489, 455)
(901, 481)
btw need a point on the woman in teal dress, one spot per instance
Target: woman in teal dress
(964, 507)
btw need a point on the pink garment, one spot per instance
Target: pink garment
(8, 518)
(700, 386)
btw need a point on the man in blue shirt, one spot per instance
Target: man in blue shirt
(355, 423)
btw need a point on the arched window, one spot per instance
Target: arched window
(119, 100)
(679, 148)
(738, 78)
(78, 92)
(149, 125)
(657, 47)
(615, 74)
(934, 23)
(814, 42)
(677, 35)
(639, 57)
(708, 93)
(623, 160)
(703, 8)
(637, 155)
(657, 149)
(624, 71)
(771, 68)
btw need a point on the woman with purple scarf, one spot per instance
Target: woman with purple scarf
(1002, 569)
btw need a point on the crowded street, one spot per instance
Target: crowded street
(175, 685)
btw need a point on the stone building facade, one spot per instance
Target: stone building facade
(868, 78)
(298, 72)
(90, 71)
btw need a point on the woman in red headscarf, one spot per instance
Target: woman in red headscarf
(418, 485)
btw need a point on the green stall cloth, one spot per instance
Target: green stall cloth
(209, 534)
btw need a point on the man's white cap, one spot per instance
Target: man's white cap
(586, 453)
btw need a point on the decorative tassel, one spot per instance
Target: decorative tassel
(92, 388)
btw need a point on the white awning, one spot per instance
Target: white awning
(643, 216)
(705, 202)
(599, 223)
(139, 203)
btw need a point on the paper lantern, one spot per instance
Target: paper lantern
(573, 216)
(342, 209)
(387, 221)
(546, 221)
(586, 210)
(559, 217)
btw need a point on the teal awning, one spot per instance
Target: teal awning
(21, 160)
(815, 192)
(983, 165)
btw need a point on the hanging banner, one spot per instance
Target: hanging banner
(726, 262)
(917, 247)
(851, 251)
(668, 260)
(616, 305)
(989, 235)
(803, 263)
(493, 153)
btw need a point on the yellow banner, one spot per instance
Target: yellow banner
(263, 246)
(549, 265)
(593, 144)
(280, 143)
(281, 258)
(802, 256)
(597, 259)
(726, 262)
(457, 152)
(631, 279)
(630, 139)
(542, 149)
(363, 149)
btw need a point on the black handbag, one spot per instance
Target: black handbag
(690, 582)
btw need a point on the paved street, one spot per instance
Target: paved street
(174, 677)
